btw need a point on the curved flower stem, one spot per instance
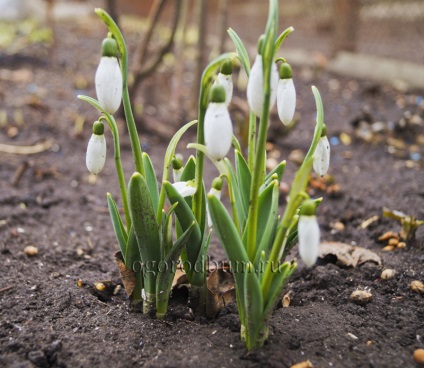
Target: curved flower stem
(132, 129)
(118, 164)
(205, 85)
(296, 197)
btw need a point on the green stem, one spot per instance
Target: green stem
(132, 129)
(252, 141)
(119, 170)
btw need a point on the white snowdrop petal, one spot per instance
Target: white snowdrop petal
(218, 131)
(177, 174)
(322, 156)
(184, 188)
(308, 233)
(108, 82)
(226, 81)
(255, 92)
(286, 100)
(96, 153)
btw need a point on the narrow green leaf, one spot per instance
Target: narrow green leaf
(146, 229)
(185, 217)
(199, 277)
(118, 226)
(268, 217)
(167, 272)
(278, 170)
(244, 179)
(280, 277)
(132, 254)
(282, 37)
(167, 229)
(93, 102)
(241, 50)
(254, 305)
(240, 208)
(151, 180)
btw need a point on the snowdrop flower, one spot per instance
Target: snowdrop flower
(108, 78)
(255, 85)
(322, 154)
(218, 128)
(96, 149)
(308, 233)
(225, 80)
(185, 188)
(215, 191)
(286, 94)
(177, 168)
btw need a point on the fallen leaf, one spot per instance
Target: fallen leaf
(348, 255)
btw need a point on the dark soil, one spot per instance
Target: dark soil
(47, 320)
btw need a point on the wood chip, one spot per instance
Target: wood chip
(305, 364)
(417, 287)
(388, 274)
(369, 221)
(26, 150)
(360, 297)
(388, 235)
(348, 255)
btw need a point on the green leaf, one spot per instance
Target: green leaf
(280, 276)
(241, 50)
(167, 229)
(199, 277)
(146, 229)
(167, 272)
(240, 208)
(185, 217)
(151, 180)
(118, 226)
(132, 254)
(282, 37)
(244, 179)
(253, 303)
(267, 221)
(278, 170)
(93, 102)
(229, 236)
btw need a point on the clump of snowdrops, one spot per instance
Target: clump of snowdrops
(255, 236)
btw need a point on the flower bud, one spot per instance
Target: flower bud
(108, 78)
(255, 86)
(308, 233)
(96, 149)
(177, 168)
(286, 95)
(322, 154)
(218, 128)
(225, 80)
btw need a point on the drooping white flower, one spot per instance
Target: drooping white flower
(322, 156)
(96, 149)
(218, 129)
(109, 84)
(185, 188)
(286, 100)
(308, 233)
(255, 86)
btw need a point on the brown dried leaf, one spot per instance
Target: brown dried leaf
(348, 255)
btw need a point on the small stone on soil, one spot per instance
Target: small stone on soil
(31, 251)
(401, 245)
(393, 241)
(417, 287)
(419, 356)
(388, 235)
(388, 274)
(388, 248)
(361, 297)
(305, 364)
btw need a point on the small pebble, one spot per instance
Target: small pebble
(419, 356)
(388, 235)
(305, 364)
(417, 287)
(100, 286)
(388, 274)
(31, 251)
(388, 248)
(361, 297)
(339, 226)
(401, 245)
(393, 241)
